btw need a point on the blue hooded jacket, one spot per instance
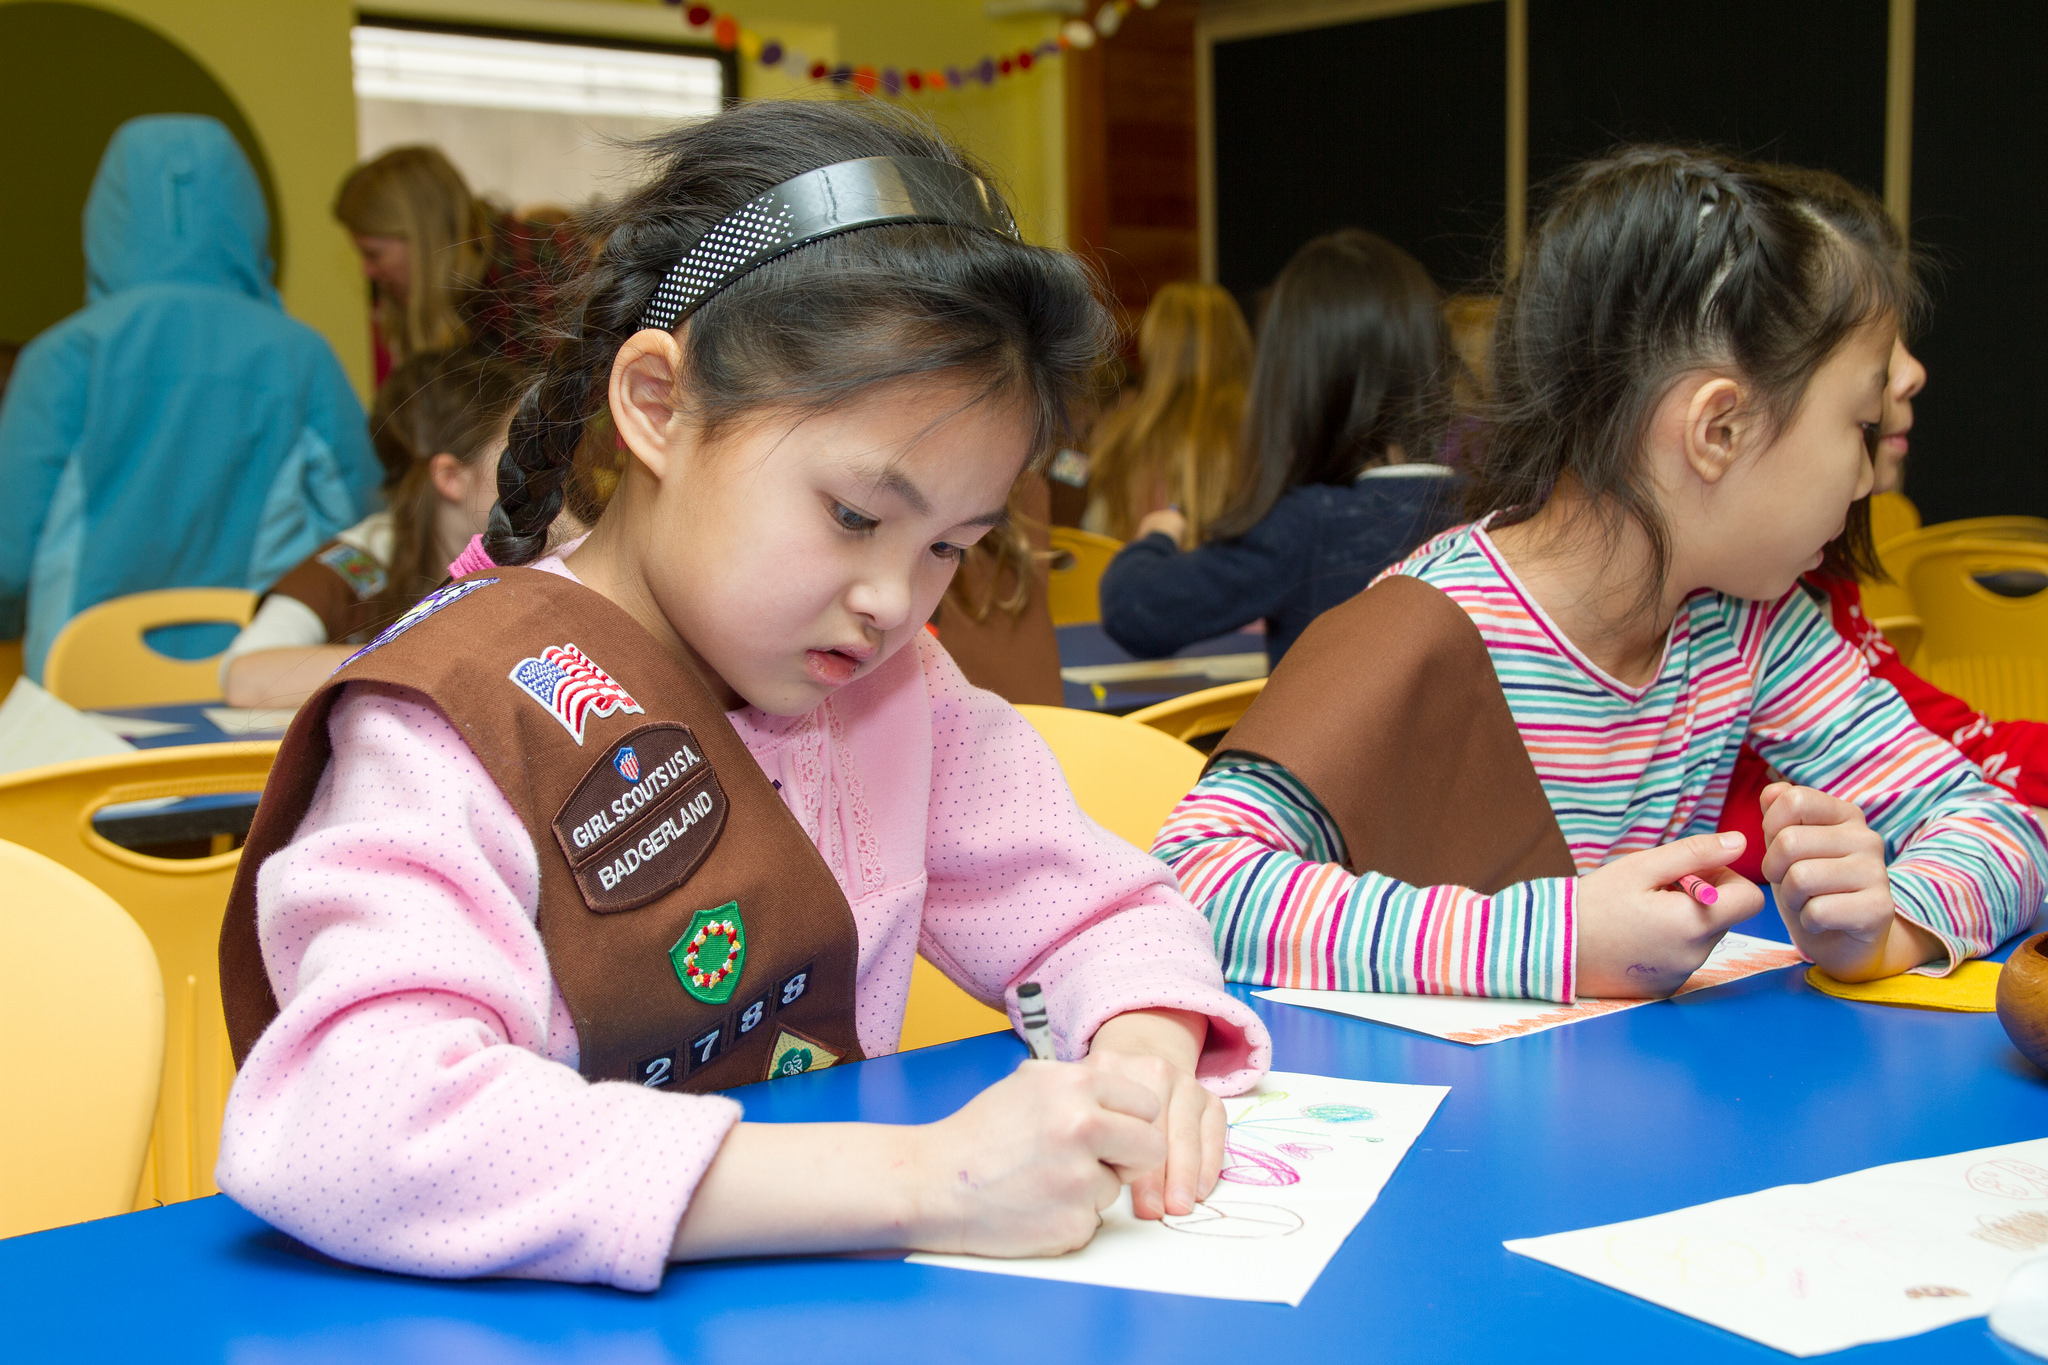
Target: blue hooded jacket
(179, 430)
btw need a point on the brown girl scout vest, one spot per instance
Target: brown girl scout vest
(697, 936)
(1389, 710)
(347, 588)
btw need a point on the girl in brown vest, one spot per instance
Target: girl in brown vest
(1499, 771)
(439, 427)
(673, 809)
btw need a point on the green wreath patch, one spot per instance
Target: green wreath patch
(712, 952)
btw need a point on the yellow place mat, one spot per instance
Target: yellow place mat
(1971, 988)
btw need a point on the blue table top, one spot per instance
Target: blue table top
(201, 729)
(1731, 1089)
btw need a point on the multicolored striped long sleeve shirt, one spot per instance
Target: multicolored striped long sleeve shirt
(1625, 769)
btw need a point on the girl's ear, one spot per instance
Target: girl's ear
(1713, 428)
(451, 477)
(643, 393)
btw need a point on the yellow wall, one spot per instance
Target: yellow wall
(286, 63)
(287, 66)
(1016, 126)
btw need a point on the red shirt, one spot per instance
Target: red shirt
(2012, 753)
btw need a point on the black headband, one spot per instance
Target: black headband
(871, 192)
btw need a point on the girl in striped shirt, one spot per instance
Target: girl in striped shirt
(1689, 369)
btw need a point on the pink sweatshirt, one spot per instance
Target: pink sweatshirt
(416, 1106)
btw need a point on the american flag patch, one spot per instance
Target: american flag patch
(572, 688)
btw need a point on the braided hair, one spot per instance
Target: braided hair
(812, 328)
(1650, 262)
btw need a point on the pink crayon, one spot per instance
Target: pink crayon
(1698, 889)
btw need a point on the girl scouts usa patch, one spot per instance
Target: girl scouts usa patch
(420, 611)
(642, 819)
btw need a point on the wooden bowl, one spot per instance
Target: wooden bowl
(2023, 999)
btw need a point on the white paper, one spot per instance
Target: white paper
(239, 722)
(1870, 1256)
(1218, 668)
(36, 728)
(135, 727)
(1305, 1158)
(1473, 1019)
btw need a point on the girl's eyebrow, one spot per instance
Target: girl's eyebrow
(890, 479)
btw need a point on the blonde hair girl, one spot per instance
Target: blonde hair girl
(449, 269)
(1175, 442)
(421, 234)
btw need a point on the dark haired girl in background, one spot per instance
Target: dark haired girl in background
(438, 427)
(1352, 366)
(678, 805)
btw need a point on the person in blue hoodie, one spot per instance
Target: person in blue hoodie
(179, 430)
(1349, 382)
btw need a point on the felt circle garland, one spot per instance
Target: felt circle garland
(727, 35)
(724, 929)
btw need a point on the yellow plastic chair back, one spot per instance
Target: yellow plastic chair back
(1128, 778)
(1210, 711)
(99, 660)
(1079, 559)
(178, 902)
(10, 664)
(1888, 601)
(1891, 516)
(1968, 528)
(2002, 688)
(1900, 552)
(82, 1013)
(1904, 632)
(1962, 618)
(1993, 528)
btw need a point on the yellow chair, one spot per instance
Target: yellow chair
(1079, 559)
(10, 664)
(1210, 711)
(1961, 617)
(1904, 632)
(178, 902)
(1888, 601)
(1975, 528)
(1900, 552)
(2002, 688)
(99, 658)
(1891, 516)
(82, 1011)
(1128, 778)
(1988, 649)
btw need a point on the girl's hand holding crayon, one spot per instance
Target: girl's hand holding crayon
(1828, 868)
(1158, 1049)
(1639, 936)
(1025, 1168)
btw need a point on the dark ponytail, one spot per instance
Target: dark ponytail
(812, 328)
